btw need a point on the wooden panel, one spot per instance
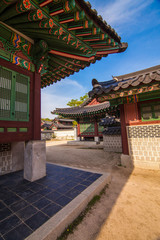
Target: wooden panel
(18, 136)
(131, 112)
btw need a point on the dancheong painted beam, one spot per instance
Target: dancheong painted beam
(65, 36)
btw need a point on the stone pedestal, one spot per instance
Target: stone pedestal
(35, 160)
(126, 161)
(17, 150)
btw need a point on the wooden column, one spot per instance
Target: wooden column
(37, 107)
(123, 131)
(96, 128)
(78, 129)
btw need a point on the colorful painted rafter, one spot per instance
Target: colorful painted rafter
(71, 29)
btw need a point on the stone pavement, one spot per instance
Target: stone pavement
(25, 206)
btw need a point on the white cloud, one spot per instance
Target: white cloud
(58, 95)
(120, 13)
(50, 102)
(71, 83)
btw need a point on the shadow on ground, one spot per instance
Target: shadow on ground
(98, 160)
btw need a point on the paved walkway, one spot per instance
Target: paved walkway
(25, 206)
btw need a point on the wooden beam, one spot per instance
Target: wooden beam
(68, 55)
(16, 9)
(37, 108)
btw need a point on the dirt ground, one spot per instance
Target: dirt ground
(130, 207)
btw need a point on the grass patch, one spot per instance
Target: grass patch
(79, 219)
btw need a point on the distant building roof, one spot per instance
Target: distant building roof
(63, 120)
(126, 85)
(62, 126)
(83, 110)
(109, 121)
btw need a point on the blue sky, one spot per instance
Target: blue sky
(138, 24)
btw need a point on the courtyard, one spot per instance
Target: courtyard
(130, 207)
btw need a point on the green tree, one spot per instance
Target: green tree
(76, 102)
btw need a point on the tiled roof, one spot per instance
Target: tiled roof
(64, 120)
(82, 109)
(112, 131)
(65, 35)
(123, 82)
(109, 121)
(62, 126)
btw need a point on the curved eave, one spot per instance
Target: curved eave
(129, 83)
(75, 35)
(82, 111)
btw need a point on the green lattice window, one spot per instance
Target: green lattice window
(14, 95)
(100, 128)
(150, 112)
(87, 128)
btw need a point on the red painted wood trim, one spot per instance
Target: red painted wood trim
(78, 129)
(57, 12)
(83, 34)
(63, 54)
(75, 28)
(66, 21)
(91, 39)
(96, 128)
(140, 122)
(107, 51)
(15, 68)
(37, 107)
(45, 3)
(123, 131)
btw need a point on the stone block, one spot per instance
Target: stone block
(17, 150)
(126, 161)
(35, 160)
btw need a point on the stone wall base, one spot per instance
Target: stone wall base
(11, 157)
(144, 145)
(147, 165)
(112, 143)
(35, 160)
(126, 161)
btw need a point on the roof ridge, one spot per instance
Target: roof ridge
(139, 72)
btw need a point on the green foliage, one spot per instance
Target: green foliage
(47, 119)
(76, 102)
(74, 123)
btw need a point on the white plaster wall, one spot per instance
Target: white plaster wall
(65, 134)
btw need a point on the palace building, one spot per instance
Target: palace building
(137, 95)
(41, 42)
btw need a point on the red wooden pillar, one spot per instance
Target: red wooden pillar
(123, 131)
(96, 129)
(78, 129)
(37, 107)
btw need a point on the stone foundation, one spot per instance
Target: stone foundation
(5, 158)
(144, 145)
(35, 160)
(11, 157)
(112, 143)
